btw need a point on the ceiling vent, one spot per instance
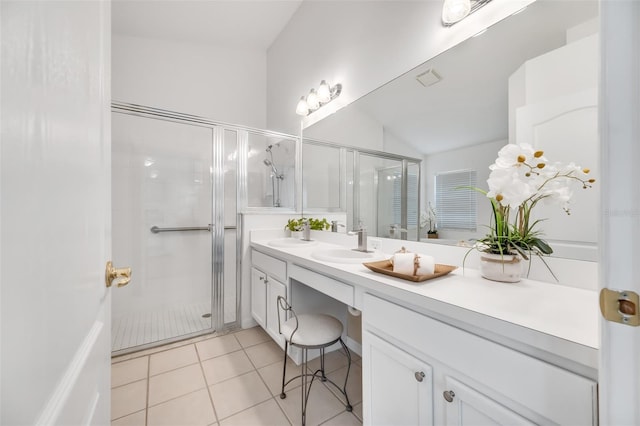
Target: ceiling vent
(429, 77)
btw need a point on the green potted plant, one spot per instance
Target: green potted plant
(319, 224)
(295, 225)
(521, 178)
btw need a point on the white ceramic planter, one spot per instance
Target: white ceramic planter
(504, 268)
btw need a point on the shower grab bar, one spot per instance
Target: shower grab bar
(156, 230)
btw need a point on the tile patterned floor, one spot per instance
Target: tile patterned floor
(226, 380)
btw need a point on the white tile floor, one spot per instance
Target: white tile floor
(227, 380)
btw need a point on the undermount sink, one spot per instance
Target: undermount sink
(346, 255)
(291, 242)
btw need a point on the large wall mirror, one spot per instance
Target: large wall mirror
(532, 77)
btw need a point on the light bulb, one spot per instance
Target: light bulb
(312, 100)
(324, 92)
(455, 10)
(302, 108)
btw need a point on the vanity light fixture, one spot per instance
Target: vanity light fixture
(324, 92)
(312, 100)
(456, 10)
(316, 99)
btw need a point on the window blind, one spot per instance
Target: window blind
(456, 206)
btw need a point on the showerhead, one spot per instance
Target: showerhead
(268, 163)
(274, 171)
(269, 148)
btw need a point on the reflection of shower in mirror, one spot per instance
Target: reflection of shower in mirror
(276, 177)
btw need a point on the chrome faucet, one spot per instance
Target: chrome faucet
(334, 225)
(362, 237)
(306, 231)
(397, 230)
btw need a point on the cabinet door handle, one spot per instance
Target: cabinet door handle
(419, 376)
(448, 395)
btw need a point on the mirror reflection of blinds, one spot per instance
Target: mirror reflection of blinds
(455, 207)
(412, 199)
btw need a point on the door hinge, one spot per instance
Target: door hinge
(620, 306)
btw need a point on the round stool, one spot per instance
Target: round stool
(310, 331)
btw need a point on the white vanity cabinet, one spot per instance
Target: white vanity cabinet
(397, 386)
(470, 380)
(268, 276)
(466, 406)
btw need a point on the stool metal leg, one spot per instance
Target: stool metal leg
(346, 379)
(323, 377)
(305, 391)
(306, 384)
(283, 395)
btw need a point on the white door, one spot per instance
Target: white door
(619, 370)
(55, 217)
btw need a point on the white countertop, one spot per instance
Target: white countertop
(557, 320)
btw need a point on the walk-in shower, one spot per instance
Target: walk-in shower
(175, 221)
(275, 177)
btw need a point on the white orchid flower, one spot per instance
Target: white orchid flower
(513, 155)
(506, 186)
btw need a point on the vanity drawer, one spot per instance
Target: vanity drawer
(329, 286)
(549, 391)
(270, 265)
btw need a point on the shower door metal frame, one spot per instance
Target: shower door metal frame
(217, 227)
(354, 217)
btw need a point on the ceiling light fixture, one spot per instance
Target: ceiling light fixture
(316, 99)
(456, 10)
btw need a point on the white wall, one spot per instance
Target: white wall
(351, 127)
(395, 145)
(361, 45)
(224, 84)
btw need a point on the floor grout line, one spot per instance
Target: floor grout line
(208, 386)
(146, 407)
(215, 412)
(267, 386)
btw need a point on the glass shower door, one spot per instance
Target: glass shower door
(162, 197)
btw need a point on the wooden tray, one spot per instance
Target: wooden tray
(385, 267)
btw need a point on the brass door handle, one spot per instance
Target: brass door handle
(111, 274)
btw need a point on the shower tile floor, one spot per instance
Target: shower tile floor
(140, 328)
(232, 379)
